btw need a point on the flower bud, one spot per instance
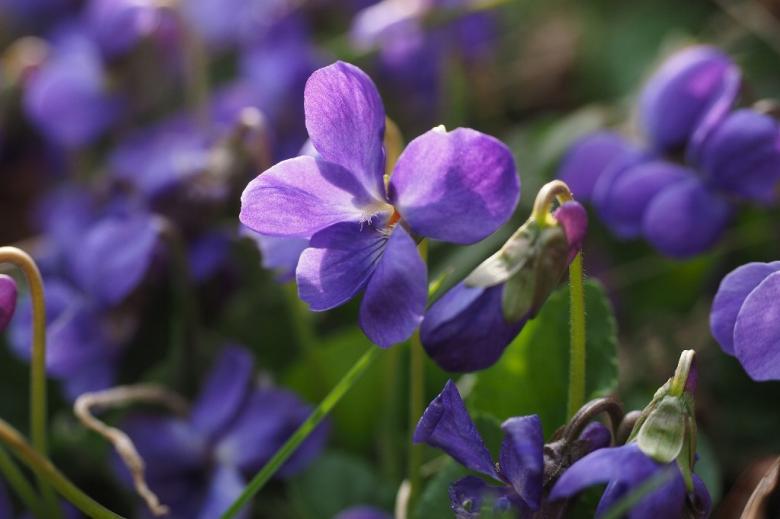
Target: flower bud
(7, 300)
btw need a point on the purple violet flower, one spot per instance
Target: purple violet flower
(466, 329)
(587, 159)
(363, 512)
(68, 98)
(278, 254)
(8, 294)
(118, 25)
(457, 186)
(446, 425)
(694, 87)
(623, 469)
(199, 464)
(745, 318)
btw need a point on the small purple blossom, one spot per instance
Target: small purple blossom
(118, 25)
(745, 318)
(587, 158)
(363, 512)
(199, 464)
(455, 186)
(623, 469)
(8, 296)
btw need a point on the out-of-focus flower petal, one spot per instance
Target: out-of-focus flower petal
(225, 391)
(95, 375)
(208, 253)
(457, 186)
(300, 196)
(681, 94)
(395, 296)
(278, 254)
(742, 155)
(224, 488)
(363, 512)
(521, 458)
(345, 118)
(732, 292)
(118, 25)
(268, 419)
(446, 425)
(465, 329)
(338, 264)
(757, 330)
(8, 295)
(632, 192)
(116, 254)
(587, 159)
(685, 219)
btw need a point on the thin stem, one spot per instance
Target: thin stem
(37, 361)
(20, 485)
(306, 428)
(551, 191)
(416, 403)
(45, 471)
(577, 339)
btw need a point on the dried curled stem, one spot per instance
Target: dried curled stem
(88, 403)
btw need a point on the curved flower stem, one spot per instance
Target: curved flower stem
(541, 213)
(27, 265)
(416, 403)
(20, 485)
(45, 471)
(305, 429)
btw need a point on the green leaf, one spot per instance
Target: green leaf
(663, 434)
(532, 375)
(337, 481)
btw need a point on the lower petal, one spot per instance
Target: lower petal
(685, 219)
(521, 457)
(757, 331)
(338, 263)
(394, 301)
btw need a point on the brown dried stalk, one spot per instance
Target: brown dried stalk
(88, 403)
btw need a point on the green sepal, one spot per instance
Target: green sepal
(687, 457)
(662, 436)
(509, 259)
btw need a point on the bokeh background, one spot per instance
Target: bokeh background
(167, 109)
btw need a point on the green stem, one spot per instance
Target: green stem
(45, 471)
(416, 404)
(37, 361)
(306, 428)
(20, 485)
(577, 341)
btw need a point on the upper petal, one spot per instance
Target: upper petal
(394, 301)
(346, 122)
(301, 196)
(757, 330)
(685, 219)
(224, 392)
(587, 159)
(681, 94)
(457, 186)
(733, 290)
(465, 329)
(446, 424)
(338, 263)
(521, 458)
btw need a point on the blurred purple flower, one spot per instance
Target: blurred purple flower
(8, 295)
(587, 159)
(199, 464)
(694, 87)
(745, 318)
(83, 345)
(68, 98)
(446, 425)
(118, 25)
(225, 23)
(466, 330)
(455, 186)
(624, 469)
(278, 254)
